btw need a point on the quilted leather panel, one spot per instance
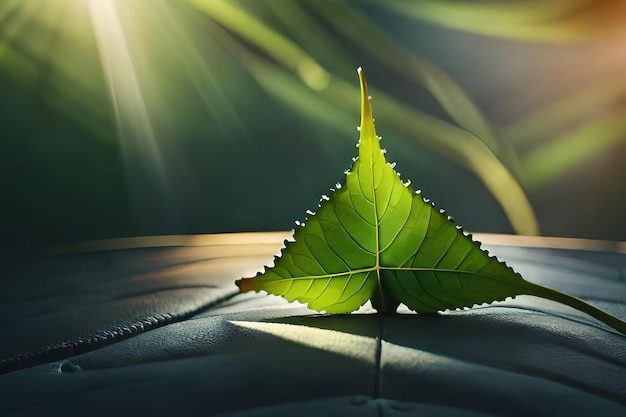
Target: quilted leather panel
(251, 354)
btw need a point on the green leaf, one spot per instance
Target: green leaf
(377, 239)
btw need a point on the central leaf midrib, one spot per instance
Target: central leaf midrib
(390, 268)
(373, 157)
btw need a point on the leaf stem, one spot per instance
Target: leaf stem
(578, 304)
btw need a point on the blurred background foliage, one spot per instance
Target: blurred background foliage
(141, 117)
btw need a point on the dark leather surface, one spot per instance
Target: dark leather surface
(160, 331)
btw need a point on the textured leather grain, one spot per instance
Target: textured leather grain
(72, 345)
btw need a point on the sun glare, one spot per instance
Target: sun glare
(138, 76)
(139, 144)
(135, 129)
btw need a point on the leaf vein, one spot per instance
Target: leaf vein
(361, 185)
(388, 203)
(445, 252)
(352, 238)
(345, 230)
(404, 223)
(415, 298)
(419, 246)
(333, 249)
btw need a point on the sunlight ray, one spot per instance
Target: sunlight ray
(145, 171)
(202, 78)
(354, 346)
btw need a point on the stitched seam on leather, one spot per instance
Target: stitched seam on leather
(379, 348)
(69, 348)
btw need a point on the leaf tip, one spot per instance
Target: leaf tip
(367, 121)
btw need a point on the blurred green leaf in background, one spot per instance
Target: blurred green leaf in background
(122, 118)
